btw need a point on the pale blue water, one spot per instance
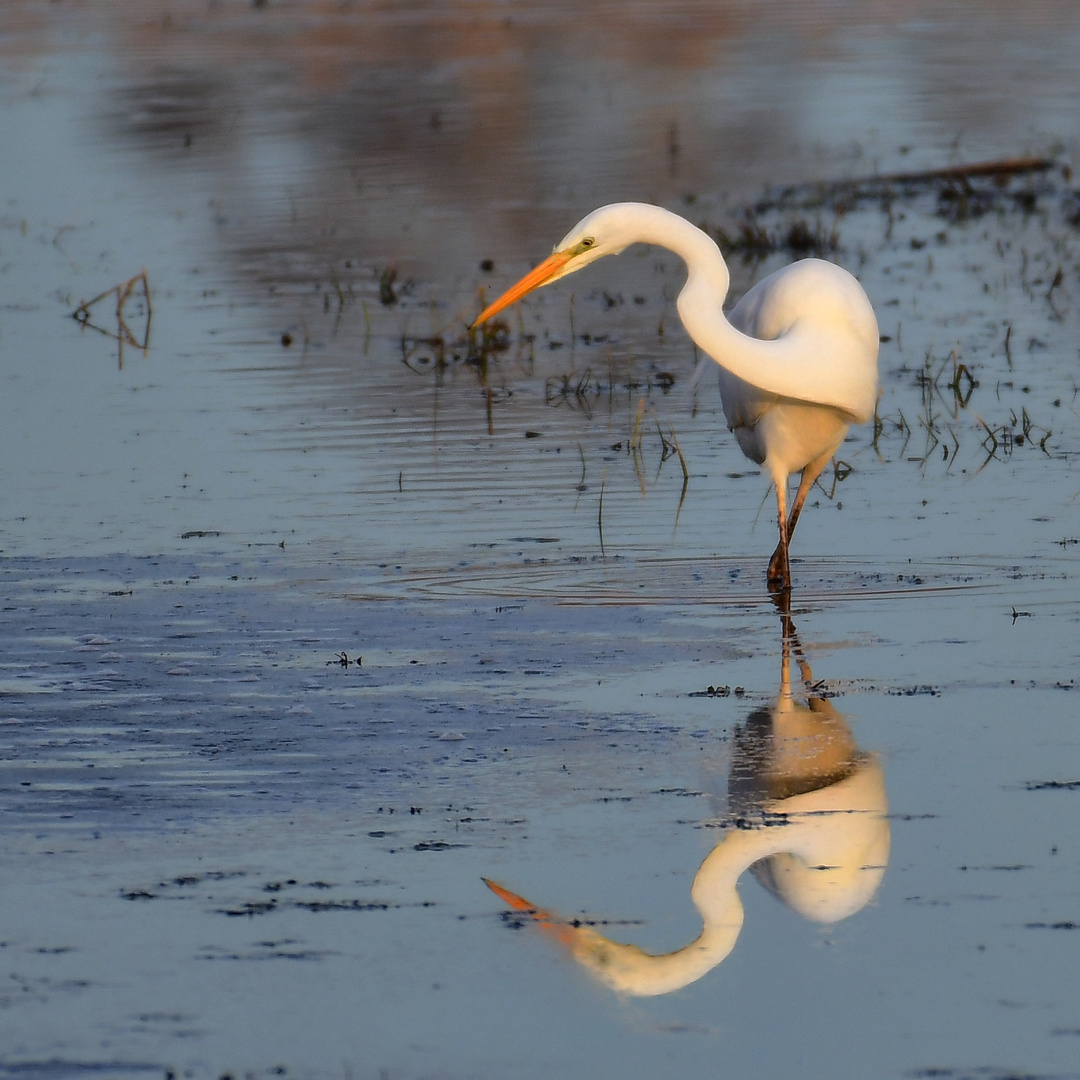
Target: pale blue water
(226, 852)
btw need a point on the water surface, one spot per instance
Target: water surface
(313, 615)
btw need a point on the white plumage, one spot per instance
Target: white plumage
(797, 355)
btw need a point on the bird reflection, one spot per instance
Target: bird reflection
(806, 815)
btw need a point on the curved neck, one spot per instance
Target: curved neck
(630, 970)
(765, 364)
(777, 363)
(707, 272)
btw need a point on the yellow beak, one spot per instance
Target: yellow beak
(532, 280)
(549, 923)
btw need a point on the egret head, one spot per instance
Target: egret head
(606, 231)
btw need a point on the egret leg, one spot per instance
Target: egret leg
(779, 566)
(806, 482)
(779, 574)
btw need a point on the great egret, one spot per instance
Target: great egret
(797, 354)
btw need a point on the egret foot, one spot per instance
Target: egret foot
(779, 573)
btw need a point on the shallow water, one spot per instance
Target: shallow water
(315, 613)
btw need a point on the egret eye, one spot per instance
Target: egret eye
(588, 242)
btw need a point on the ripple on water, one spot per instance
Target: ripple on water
(645, 579)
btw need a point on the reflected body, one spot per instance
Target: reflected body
(807, 817)
(797, 355)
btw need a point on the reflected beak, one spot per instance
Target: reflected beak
(518, 903)
(550, 924)
(533, 280)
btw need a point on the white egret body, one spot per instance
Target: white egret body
(812, 827)
(797, 356)
(825, 861)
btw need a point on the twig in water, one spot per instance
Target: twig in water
(1003, 167)
(635, 431)
(600, 514)
(841, 471)
(122, 334)
(991, 438)
(685, 476)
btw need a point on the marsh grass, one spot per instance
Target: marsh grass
(752, 239)
(947, 388)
